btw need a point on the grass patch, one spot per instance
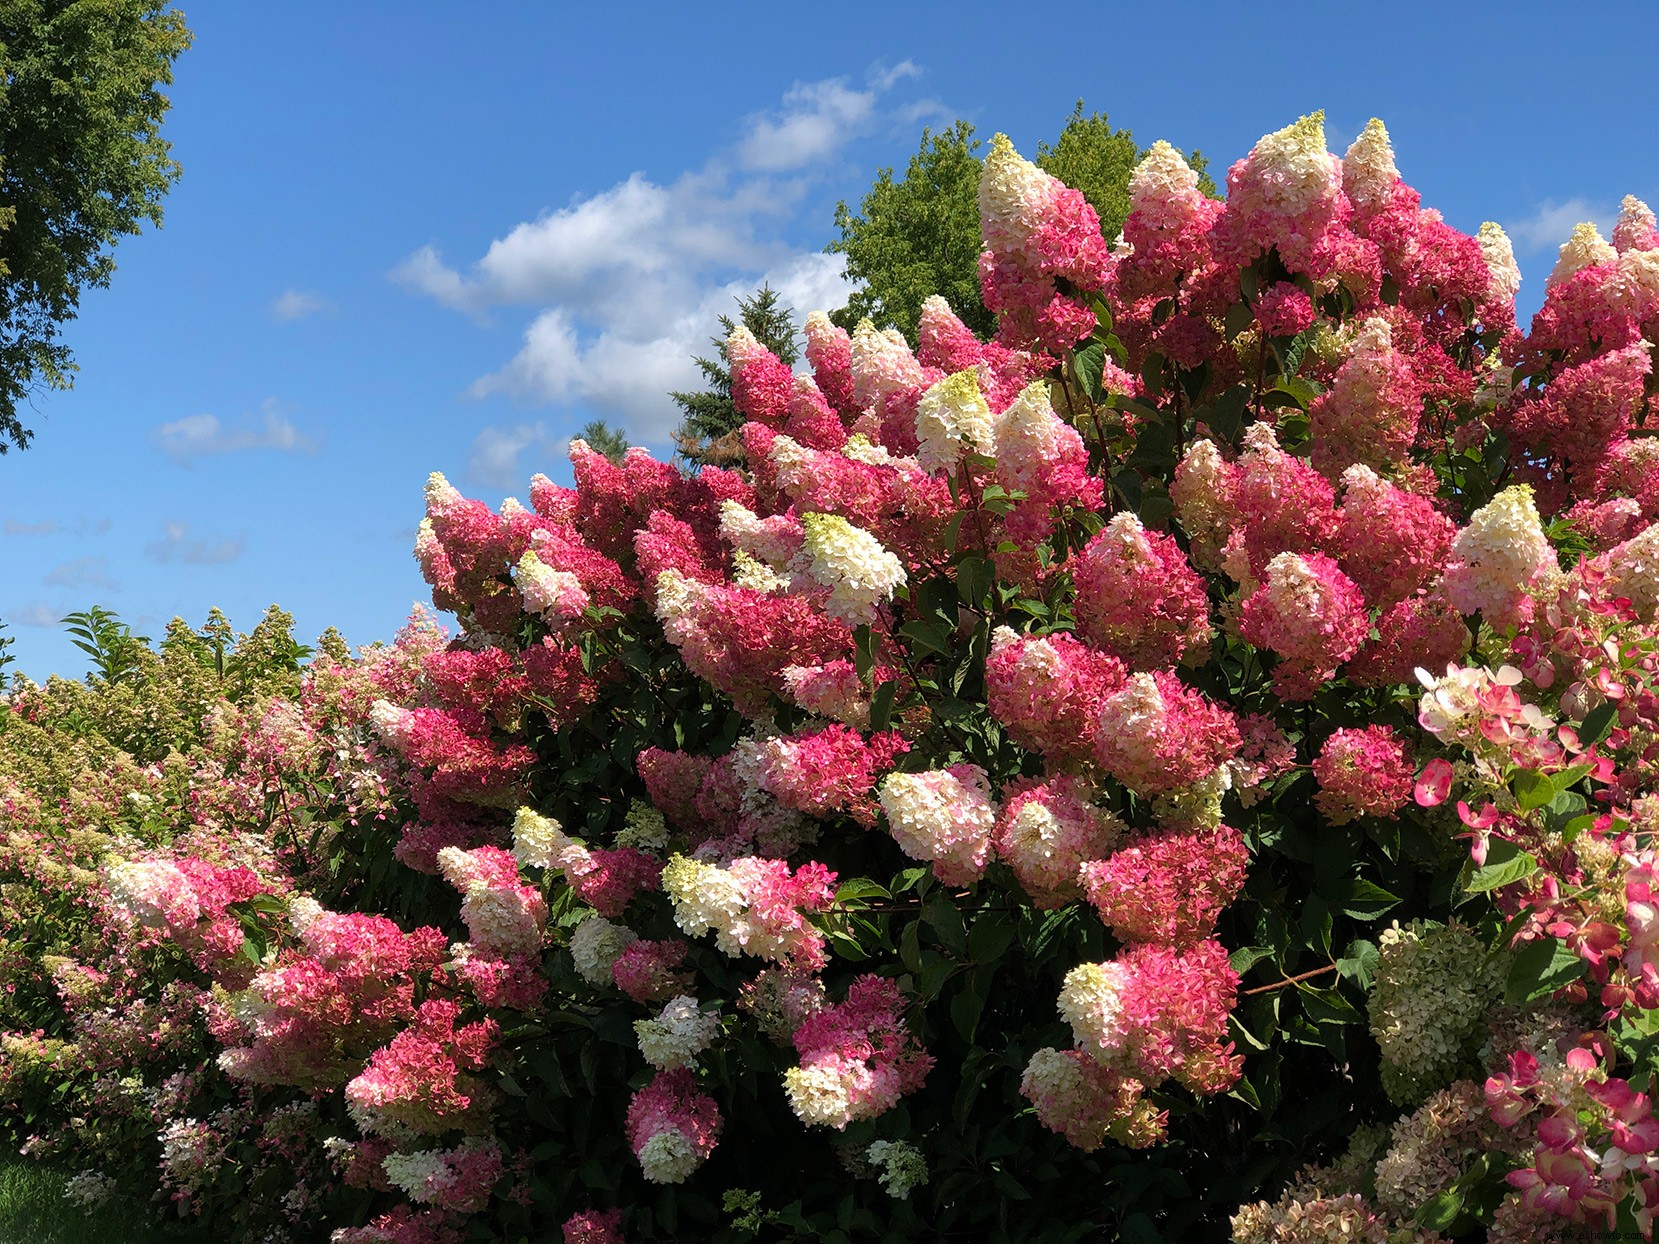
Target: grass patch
(33, 1210)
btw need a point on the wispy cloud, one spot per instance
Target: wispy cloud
(627, 283)
(816, 120)
(35, 613)
(494, 460)
(1552, 223)
(298, 304)
(82, 572)
(45, 527)
(177, 544)
(201, 436)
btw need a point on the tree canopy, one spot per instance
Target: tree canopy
(82, 163)
(919, 235)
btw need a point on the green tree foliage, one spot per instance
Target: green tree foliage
(917, 236)
(603, 438)
(82, 162)
(920, 235)
(708, 433)
(108, 641)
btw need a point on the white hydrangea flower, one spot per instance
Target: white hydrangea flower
(1499, 253)
(303, 912)
(678, 1034)
(1585, 249)
(951, 416)
(743, 347)
(860, 448)
(757, 576)
(1295, 171)
(1636, 288)
(901, 1164)
(1028, 437)
(942, 816)
(1090, 1003)
(882, 364)
(595, 945)
(858, 571)
(541, 842)
(792, 461)
(1635, 227)
(1013, 192)
(89, 1189)
(421, 1176)
(644, 828)
(819, 1094)
(557, 596)
(154, 893)
(1633, 568)
(676, 597)
(708, 897)
(1368, 169)
(774, 541)
(390, 722)
(1433, 985)
(1500, 552)
(668, 1157)
(1162, 177)
(440, 493)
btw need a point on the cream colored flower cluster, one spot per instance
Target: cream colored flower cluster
(1012, 195)
(1498, 556)
(595, 945)
(1633, 568)
(900, 1164)
(1499, 253)
(1585, 249)
(952, 416)
(1433, 984)
(1368, 169)
(860, 574)
(1089, 1002)
(541, 842)
(944, 815)
(677, 1034)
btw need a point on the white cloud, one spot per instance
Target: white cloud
(46, 527)
(884, 79)
(35, 613)
(82, 572)
(178, 545)
(627, 284)
(495, 453)
(1552, 224)
(816, 120)
(199, 436)
(627, 369)
(298, 304)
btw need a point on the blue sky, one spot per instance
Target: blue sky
(429, 236)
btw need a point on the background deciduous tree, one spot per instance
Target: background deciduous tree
(919, 235)
(82, 162)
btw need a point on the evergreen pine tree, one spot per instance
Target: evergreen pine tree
(708, 434)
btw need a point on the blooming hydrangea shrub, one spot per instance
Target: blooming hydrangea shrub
(1002, 791)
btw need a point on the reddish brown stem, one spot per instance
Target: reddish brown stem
(1290, 980)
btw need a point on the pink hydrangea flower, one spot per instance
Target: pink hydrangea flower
(1363, 773)
(1167, 887)
(1311, 615)
(672, 1128)
(1046, 830)
(1156, 735)
(1138, 597)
